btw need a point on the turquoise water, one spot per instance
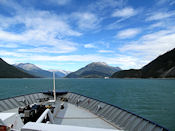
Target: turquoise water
(153, 99)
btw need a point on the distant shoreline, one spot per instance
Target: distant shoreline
(88, 78)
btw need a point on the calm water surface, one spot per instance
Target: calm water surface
(153, 99)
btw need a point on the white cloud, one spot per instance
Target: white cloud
(9, 36)
(120, 60)
(128, 33)
(163, 2)
(106, 51)
(115, 25)
(9, 60)
(47, 32)
(160, 15)
(105, 4)
(150, 46)
(62, 47)
(39, 20)
(102, 44)
(8, 45)
(8, 53)
(158, 24)
(63, 2)
(86, 20)
(124, 13)
(41, 28)
(160, 2)
(89, 46)
(38, 38)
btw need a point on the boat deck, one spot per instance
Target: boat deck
(77, 116)
(15, 110)
(89, 112)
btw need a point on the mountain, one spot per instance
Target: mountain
(94, 70)
(9, 71)
(64, 72)
(162, 67)
(132, 73)
(61, 73)
(36, 71)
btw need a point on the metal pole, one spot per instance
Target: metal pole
(54, 93)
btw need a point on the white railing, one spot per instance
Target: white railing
(44, 115)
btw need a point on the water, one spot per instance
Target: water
(153, 99)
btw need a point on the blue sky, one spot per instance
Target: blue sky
(69, 34)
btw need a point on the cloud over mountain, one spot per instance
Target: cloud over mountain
(69, 33)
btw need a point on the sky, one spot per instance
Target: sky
(69, 34)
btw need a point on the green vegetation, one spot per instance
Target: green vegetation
(94, 70)
(161, 67)
(9, 71)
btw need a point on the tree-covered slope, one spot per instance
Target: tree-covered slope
(162, 67)
(9, 71)
(94, 70)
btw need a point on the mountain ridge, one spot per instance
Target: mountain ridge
(9, 71)
(61, 73)
(37, 71)
(161, 67)
(94, 70)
